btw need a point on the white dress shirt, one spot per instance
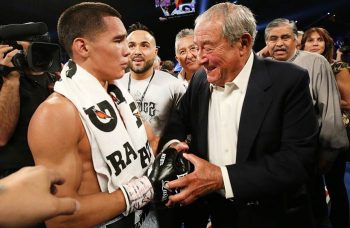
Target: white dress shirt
(224, 114)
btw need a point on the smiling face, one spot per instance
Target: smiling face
(186, 54)
(108, 51)
(221, 59)
(143, 50)
(315, 43)
(281, 42)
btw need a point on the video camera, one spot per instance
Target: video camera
(41, 56)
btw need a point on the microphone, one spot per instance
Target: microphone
(22, 31)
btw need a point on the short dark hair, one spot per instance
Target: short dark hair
(82, 20)
(139, 26)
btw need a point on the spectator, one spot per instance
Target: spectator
(300, 36)
(319, 41)
(186, 54)
(155, 92)
(168, 66)
(157, 62)
(280, 37)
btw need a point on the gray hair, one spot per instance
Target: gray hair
(237, 20)
(157, 58)
(182, 34)
(278, 23)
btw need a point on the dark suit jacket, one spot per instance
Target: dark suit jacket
(277, 139)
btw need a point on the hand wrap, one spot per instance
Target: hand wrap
(137, 193)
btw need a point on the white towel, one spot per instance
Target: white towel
(118, 140)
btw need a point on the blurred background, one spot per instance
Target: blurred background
(167, 17)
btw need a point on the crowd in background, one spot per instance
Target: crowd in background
(301, 145)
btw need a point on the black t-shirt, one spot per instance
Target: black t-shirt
(33, 91)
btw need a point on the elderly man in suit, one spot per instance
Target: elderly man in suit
(254, 130)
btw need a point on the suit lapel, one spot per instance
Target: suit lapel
(255, 106)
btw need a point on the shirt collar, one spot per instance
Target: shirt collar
(295, 54)
(241, 81)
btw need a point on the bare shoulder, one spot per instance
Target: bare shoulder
(344, 73)
(55, 134)
(56, 106)
(55, 121)
(56, 111)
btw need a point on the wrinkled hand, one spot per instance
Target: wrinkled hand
(27, 197)
(205, 178)
(264, 52)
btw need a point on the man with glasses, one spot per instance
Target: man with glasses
(281, 40)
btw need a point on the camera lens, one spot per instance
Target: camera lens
(44, 57)
(42, 60)
(19, 60)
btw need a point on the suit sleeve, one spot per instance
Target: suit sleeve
(178, 124)
(275, 172)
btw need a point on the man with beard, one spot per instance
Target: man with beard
(156, 92)
(281, 40)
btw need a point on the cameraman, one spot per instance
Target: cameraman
(22, 89)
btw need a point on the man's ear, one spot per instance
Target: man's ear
(80, 47)
(156, 51)
(246, 40)
(245, 43)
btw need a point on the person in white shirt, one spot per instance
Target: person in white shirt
(155, 92)
(254, 133)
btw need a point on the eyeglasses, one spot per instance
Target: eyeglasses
(284, 38)
(184, 51)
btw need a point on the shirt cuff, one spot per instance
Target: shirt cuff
(227, 183)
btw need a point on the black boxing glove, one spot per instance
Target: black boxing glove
(167, 166)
